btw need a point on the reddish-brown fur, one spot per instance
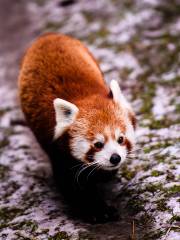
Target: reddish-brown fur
(57, 66)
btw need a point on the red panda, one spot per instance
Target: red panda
(84, 125)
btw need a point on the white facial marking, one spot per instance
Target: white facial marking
(103, 157)
(79, 147)
(117, 133)
(66, 113)
(99, 138)
(118, 96)
(130, 133)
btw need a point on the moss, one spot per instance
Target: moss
(170, 176)
(10, 189)
(160, 158)
(154, 188)
(156, 173)
(21, 236)
(3, 111)
(136, 205)
(174, 189)
(146, 219)
(4, 143)
(175, 218)
(147, 95)
(127, 174)
(103, 32)
(8, 214)
(28, 226)
(178, 108)
(52, 26)
(88, 16)
(173, 167)
(163, 123)
(60, 236)
(162, 205)
(3, 171)
(162, 144)
(147, 150)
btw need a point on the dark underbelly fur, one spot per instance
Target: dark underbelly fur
(81, 190)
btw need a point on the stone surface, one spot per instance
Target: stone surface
(137, 43)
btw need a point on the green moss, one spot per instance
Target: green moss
(60, 236)
(160, 158)
(156, 173)
(173, 167)
(175, 218)
(88, 16)
(174, 189)
(3, 171)
(11, 189)
(163, 123)
(162, 144)
(28, 226)
(154, 188)
(136, 205)
(146, 219)
(52, 26)
(127, 173)
(147, 95)
(170, 176)
(3, 111)
(4, 143)
(147, 150)
(178, 108)
(103, 32)
(162, 205)
(8, 214)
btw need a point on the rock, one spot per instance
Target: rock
(136, 42)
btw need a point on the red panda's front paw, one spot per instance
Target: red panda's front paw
(104, 214)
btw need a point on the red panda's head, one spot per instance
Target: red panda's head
(101, 130)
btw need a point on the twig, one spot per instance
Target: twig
(167, 233)
(133, 236)
(175, 226)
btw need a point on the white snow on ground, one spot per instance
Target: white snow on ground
(162, 103)
(155, 171)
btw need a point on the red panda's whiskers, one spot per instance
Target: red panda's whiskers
(77, 165)
(93, 170)
(83, 168)
(136, 150)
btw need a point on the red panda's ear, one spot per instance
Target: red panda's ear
(117, 95)
(66, 114)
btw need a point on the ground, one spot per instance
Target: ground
(135, 42)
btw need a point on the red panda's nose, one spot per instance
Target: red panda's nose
(115, 159)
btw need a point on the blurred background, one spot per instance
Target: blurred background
(135, 42)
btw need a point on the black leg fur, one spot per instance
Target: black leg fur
(82, 195)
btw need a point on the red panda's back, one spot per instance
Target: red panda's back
(55, 66)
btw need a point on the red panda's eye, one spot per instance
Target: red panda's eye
(120, 140)
(99, 145)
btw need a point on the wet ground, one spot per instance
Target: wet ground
(137, 43)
